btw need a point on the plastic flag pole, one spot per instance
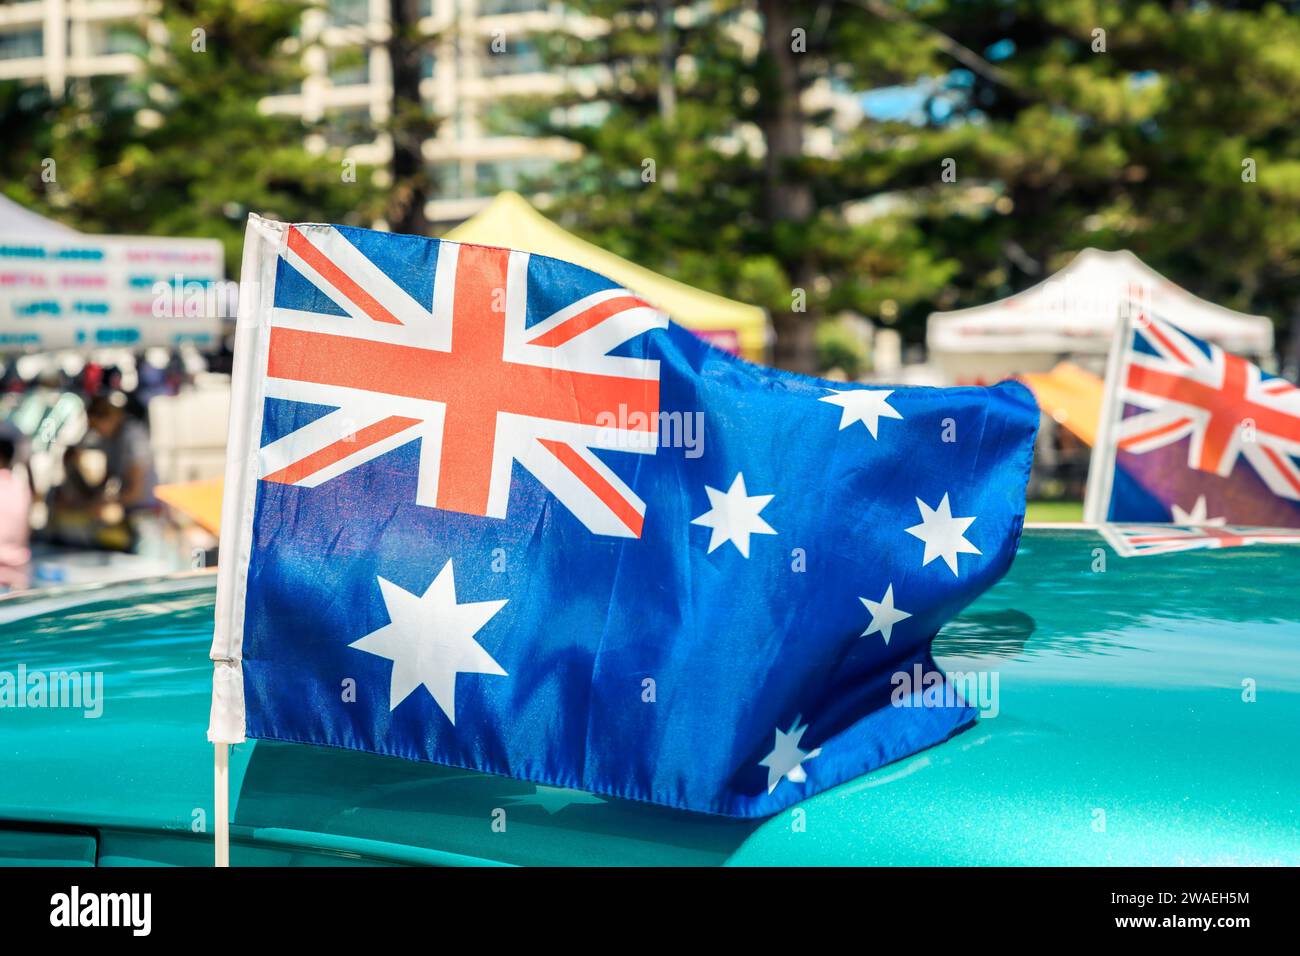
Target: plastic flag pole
(1101, 464)
(221, 785)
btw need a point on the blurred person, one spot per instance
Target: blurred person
(92, 375)
(10, 380)
(15, 527)
(153, 381)
(125, 443)
(105, 511)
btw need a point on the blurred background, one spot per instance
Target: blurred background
(915, 191)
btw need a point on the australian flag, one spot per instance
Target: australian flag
(1194, 435)
(488, 509)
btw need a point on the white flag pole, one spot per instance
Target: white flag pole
(221, 808)
(1101, 465)
(226, 722)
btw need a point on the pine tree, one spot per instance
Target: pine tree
(728, 191)
(1039, 129)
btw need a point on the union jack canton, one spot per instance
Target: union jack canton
(466, 375)
(490, 510)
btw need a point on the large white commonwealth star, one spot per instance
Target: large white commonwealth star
(866, 405)
(786, 759)
(943, 534)
(430, 639)
(733, 515)
(883, 615)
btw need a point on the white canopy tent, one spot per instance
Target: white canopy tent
(19, 222)
(62, 289)
(1073, 315)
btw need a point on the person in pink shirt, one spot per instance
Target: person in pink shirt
(15, 504)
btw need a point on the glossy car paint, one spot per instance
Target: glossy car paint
(1147, 713)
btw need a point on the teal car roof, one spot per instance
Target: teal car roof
(1145, 712)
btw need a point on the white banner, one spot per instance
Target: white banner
(89, 292)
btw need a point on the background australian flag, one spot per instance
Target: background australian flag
(1199, 435)
(489, 510)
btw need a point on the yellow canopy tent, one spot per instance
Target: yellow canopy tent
(1072, 396)
(509, 220)
(198, 500)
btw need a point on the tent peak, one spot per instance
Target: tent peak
(1075, 311)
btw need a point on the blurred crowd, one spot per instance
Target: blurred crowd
(77, 465)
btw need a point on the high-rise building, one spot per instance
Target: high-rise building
(55, 41)
(481, 54)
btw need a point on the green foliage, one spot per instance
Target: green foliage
(1057, 147)
(706, 216)
(840, 349)
(1140, 146)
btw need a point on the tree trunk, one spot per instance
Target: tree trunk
(788, 196)
(667, 60)
(409, 125)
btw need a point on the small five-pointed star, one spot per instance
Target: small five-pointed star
(733, 516)
(943, 534)
(883, 615)
(1200, 514)
(430, 639)
(786, 759)
(866, 405)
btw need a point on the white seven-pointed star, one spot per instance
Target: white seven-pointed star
(883, 615)
(733, 516)
(430, 639)
(866, 405)
(1200, 514)
(786, 759)
(942, 534)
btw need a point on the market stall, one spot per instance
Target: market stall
(509, 220)
(61, 289)
(1073, 316)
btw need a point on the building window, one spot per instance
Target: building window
(348, 13)
(489, 7)
(501, 119)
(519, 174)
(428, 65)
(349, 127)
(519, 56)
(349, 67)
(117, 38)
(22, 44)
(446, 179)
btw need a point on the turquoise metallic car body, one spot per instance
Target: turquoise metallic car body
(1147, 712)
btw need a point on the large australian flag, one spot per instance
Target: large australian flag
(489, 509)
